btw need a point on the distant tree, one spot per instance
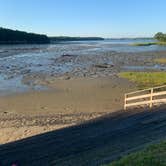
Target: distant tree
(160, 36)
(67, 38)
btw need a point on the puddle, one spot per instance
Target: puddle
(15, 85)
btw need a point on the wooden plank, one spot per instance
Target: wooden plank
(159, 87)
(146, 102)
(146, 96)
(138, 103)
(125, 102)
(159, 101)
(138, 97)
(159, 93)
(151, 98)
(138, 91)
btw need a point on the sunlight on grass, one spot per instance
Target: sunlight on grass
(145, 79)
(149, 44)
(161, 60)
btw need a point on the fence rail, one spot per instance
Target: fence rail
(150, 97)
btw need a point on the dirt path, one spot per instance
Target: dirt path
(93, 143)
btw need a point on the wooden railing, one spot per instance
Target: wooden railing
(150, 97)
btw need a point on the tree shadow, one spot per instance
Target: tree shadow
(95, 142)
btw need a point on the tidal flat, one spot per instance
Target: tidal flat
(67, 83)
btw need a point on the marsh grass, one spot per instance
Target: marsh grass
(149, 44)
(143, 44)
(160, 60)
(145, 79)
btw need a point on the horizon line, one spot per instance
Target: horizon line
(82, 36)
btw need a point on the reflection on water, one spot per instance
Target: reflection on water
(142, 68)
(14, 85)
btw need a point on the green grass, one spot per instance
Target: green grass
(161, 43)
(160, 60)
(149, 44)
(143, 44)
(154, 155)
(145, 79)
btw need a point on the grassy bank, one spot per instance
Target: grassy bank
(149, 44)
(154, 155)
(145, 79)
(160, 60)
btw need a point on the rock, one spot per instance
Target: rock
(67, 78)
(26, 71)
(105, 65)
(67, 55)
(44, 108)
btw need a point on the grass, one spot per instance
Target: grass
(149, 44)
(161, 60)
(154, 155)
(143, 44)
(161, 43)
(145, 79)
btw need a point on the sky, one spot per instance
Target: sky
(105, 18)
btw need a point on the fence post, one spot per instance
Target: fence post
(125, 101)
(151, 97)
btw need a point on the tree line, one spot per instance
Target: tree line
(67, 38)
(8, 36)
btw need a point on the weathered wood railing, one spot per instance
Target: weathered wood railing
(150, 97)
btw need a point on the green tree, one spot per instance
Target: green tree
(8, 36)
(160, 37)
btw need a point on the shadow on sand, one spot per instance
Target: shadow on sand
(96, 142)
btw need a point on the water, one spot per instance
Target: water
(120, 45)
(18, 61)
(143, 68)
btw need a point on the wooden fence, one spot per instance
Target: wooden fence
(150, 97)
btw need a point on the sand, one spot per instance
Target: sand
(66, 103)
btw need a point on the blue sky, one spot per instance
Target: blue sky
(106, 18)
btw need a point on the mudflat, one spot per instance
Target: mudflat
(68, 102)
(49, 87)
